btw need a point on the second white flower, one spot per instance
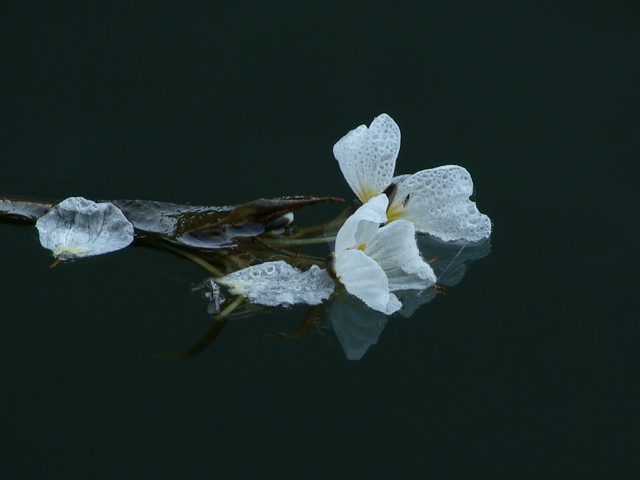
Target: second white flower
(373, 261)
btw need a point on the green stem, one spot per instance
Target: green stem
(195, 259)
(231, 307)
(300, 241)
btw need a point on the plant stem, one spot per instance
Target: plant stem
(300, 241)
(231, 307)
(194, 258)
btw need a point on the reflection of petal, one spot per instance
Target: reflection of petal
(451, 258)
(278, 283)
(437, 202)
(367, 156)
(356, 326)
(412, 300)
(77, 227)
(363, 277)
(395, 250)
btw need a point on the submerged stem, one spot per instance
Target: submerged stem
(300, 241)
(200, 261)
(231, 307)
(200, 345)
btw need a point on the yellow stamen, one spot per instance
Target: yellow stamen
(69, 251)
(395, 212)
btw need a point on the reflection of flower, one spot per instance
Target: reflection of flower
(373, 261)
(435, 200)
(451, 258)
(356, 326)
(77, 227)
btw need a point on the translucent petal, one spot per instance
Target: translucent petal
(362, 226)
(451, 258)
(278, 283)
(414, 299)
(367, 156)
(356, 325)
(364, 278)
(437, 202)
(394, 248)
(77, 227)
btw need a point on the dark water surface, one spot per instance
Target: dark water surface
(527, 369)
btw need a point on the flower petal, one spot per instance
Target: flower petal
(77, 227)
(278, 283)
(396, 251)
(437, 202)
(361, 227)
(367, 156)
(365, 279)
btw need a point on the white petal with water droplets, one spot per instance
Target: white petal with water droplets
(396, 251)
(367, 156)
(437, 202)
(362, 226)
(77, 227)
(363, 277)
(278, 283)
(372, 261)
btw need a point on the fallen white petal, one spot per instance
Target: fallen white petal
(77, 227)
(278, 283)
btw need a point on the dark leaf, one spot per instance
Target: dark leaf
(168, 219)
(207, 227)
(22, 211)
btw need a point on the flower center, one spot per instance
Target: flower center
(366, 194)
(394, 212)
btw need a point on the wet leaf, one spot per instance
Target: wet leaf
(195, 226)
(22, 211)
(209, 227)
(266, 210)
(168, 219)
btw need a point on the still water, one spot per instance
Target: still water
(525, 369)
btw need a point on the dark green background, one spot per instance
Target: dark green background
(527, 369)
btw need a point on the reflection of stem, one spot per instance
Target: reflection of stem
(312, 315)
(209, 336)
(200, 345)
(194, 258)
(231, 307)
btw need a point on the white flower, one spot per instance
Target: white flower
(77, 227)
(436, 201)
(278, 283)
(373, 261)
